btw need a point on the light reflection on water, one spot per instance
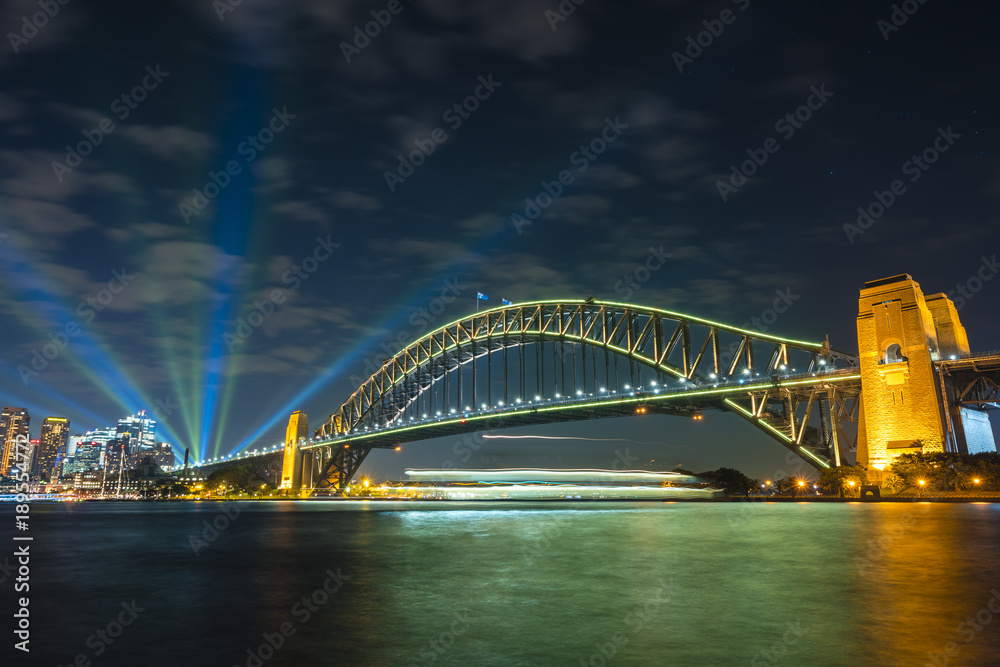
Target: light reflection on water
(521, 584)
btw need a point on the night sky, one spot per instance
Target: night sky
(405, 160)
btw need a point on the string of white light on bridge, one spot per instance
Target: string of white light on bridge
(684, 385)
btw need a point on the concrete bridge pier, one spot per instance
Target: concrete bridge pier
(906, 342)
(292, 468)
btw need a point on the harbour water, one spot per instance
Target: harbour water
(453, 583)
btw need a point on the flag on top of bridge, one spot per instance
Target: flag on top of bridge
(506, 302)
(480, 295)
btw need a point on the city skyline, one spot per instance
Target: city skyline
(248, 236)
(58, 451)
(500, 332)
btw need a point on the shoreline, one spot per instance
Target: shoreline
(737, 499)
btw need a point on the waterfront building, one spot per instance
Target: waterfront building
(115, 457)
(138, 434)
(51, 448)
(163, 455)
(101, 436)
(88, 456)
(14, 422)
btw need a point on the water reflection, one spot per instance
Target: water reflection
(524, 584)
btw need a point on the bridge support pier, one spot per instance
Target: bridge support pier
(904, 339)
(291, 471)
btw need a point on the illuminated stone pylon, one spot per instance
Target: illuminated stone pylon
(901, 334)
(291, 469)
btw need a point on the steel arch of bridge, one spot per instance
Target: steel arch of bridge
(668, 343)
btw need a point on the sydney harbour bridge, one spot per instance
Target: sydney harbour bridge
(555, 361)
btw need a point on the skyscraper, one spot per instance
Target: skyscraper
(52, 448)
(88, 456)
(138, 433)
(100, 436)
(14, 422)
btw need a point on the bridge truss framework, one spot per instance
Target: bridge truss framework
(480, 367)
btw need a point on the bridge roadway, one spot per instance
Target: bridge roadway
(684, 399)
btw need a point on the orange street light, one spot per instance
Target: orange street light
(851, 483)
(922, 482)
(975, 481)
(801, 483)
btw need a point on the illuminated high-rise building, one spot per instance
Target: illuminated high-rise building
(72, 443)
(163, 455)
(101, 436)
(52, 447)
(14, 423)
(88, 456)
(116, 456)
(29, 460)
(138, 434)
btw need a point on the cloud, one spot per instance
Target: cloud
(350, 199)
(171, 142)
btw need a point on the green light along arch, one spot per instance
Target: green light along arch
(658, 339)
